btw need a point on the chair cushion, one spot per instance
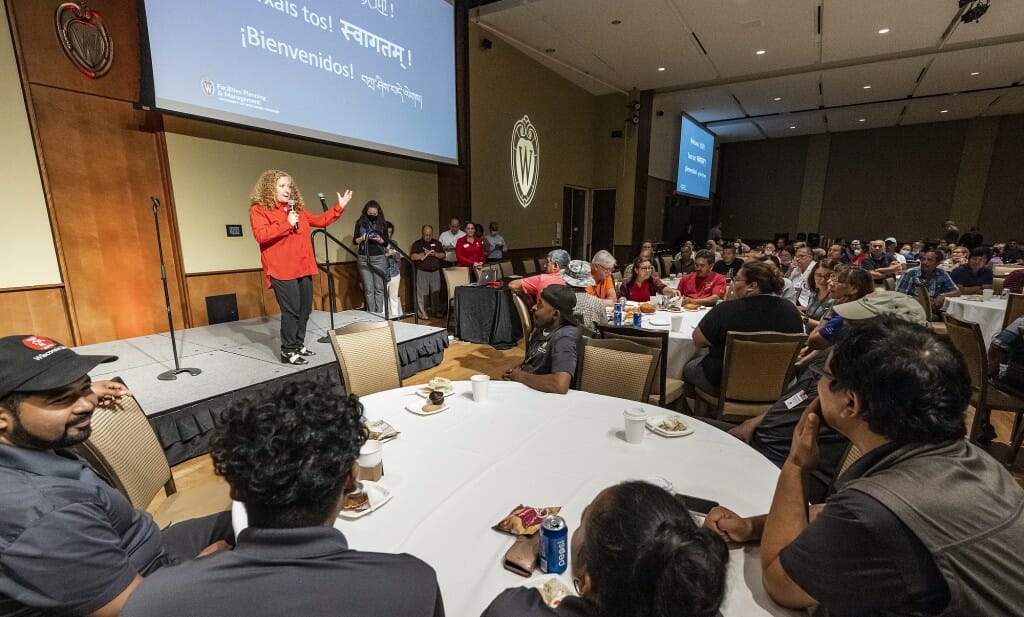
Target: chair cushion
(734, 410)
(673, 392)
(193, 502)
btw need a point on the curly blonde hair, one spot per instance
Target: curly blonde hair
(265, 191)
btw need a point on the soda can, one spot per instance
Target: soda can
(554, 545)
(617, 314)
(637, 319)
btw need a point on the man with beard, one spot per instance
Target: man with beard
(69, 542)
(551, 354)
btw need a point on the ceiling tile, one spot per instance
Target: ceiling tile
(704, 105)
(956, 106)
(893, 79)
(798, 92)
(742, 130)
(875, 115)
(1010, 102)
(791, 125)
(997, 66)
(850, 29)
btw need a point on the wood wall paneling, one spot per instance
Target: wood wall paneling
(35, 311)
(246, 285)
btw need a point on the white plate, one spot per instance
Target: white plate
(654, 424)
(417, 408)
(378, 497)
(425, 392)
(659, 321)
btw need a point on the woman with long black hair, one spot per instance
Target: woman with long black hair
(371, 237)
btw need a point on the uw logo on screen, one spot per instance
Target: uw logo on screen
(525, 160)
(207, 86)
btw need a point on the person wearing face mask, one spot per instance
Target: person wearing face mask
(281, 223)
(371, 236)
(857, 254)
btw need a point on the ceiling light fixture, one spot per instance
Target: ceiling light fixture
(549, 50)
(861, 119)
(867, 87)
(884, 31)
(943, 111)
(778, 98)
(973, 73)
(616, 22)
(661, 68)
(976, 9)
(760, 52)
(792, 127)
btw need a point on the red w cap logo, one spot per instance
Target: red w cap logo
(38, 343)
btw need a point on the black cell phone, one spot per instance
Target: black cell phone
(696, 504)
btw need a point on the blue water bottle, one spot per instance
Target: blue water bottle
(554, 545)
(617, 314)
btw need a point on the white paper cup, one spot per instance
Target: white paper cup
(480, 383)
(634, 424)
(987, 294)
(371, 454)
(677, 322)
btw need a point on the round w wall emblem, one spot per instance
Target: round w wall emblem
(525, 160)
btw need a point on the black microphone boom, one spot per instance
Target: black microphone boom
(291, 206)
(323, 202)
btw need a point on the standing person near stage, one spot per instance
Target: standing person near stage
(469, 250)
(395, 274)
(449, 238)
(286, 252)
(371, 236)
(427, 254)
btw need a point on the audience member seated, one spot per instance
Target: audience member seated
(729, 265)
(589, 312)
(769, 252)
(601, 267)
(952, 233)
(550, 361)
(703, 286)
(1013, 253)
(290, 457)
(972, 239)
(785, 255)
(1005, 368)
(891, 248)
(958, 257)
(923, 523)
(71, 544)
(800, 273)
(848, 284)
(636, 553)
(821, 299)
(1014, 281)
(646, 252)
(771, 433)
(857, 254)
(788, 290)
(756, 309)
(643, 284)
(880, 264)
(936, 281)
(741, 247)
(975, 275)
(531, 286)
(469, 249)
(683, 262)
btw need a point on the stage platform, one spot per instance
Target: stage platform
(237, 359)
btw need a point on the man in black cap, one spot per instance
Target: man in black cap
(551, 355)
(69, 542)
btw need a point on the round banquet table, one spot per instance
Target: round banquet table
(988, 314)
(455, 474)
(680, 344)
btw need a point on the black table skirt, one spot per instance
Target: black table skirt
(487, 315)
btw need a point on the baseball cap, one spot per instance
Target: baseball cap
(883, 303)
(577, 274)
(33, 363)
(891, 239)
(854, 241)
(562, 299)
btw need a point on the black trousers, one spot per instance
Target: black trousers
(295, 297)
(182, 541)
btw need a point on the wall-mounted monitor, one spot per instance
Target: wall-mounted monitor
(696, 159)
(376, 74)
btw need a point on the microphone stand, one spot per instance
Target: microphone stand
(330, 278)
(172, 374)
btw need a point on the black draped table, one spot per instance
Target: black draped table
(487, 315)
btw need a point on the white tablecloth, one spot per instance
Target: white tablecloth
(455, 474)
(680, 344)
(986, 313)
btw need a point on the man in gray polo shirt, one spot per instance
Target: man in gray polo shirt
(70, 544)
(290, 457)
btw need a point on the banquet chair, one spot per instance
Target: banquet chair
(529, 266)
(666, 265)
(617, 279)
(921, 294)
(505, 268)
(125, 451)
(617, 367)
(453, 277)
(852, 454)
(525, 316)
(542, 264)
(755, 370)
(665, 390)
(368, 356)
(1014, 308)
(986, 395)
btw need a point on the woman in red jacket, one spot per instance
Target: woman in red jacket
(469, 249)
(281, 225)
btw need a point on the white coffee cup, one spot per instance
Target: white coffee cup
(635, 419)
(371, 454)
(987, 293)
(480, 383)
(677, 322)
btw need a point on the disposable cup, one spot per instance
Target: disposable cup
(371, 454)
(987, 294)
(480, 384)
(634, 424)
(677, 322)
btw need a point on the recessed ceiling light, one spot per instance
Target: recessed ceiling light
(616, 22)
(884, 31)
(973, 73)
(778, 98)
(943, 111)
(868, 87)
(861, 119)
(792, 127)
(549, 50)
(760, 52)
(661, 68)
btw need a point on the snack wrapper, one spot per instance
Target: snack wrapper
(524, 520)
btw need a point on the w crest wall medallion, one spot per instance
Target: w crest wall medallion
(525, 160)
(83, 35)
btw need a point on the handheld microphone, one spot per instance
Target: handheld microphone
(323, 202)
(291, 206)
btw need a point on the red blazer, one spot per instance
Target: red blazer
(287, 253)
(469, 252)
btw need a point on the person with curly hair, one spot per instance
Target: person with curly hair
(280, 223)
(924, 522)
(290, 457)
(636, 553)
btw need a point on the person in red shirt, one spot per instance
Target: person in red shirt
(644, 283)
(703, 286)
(280, 224)
(469, 249)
